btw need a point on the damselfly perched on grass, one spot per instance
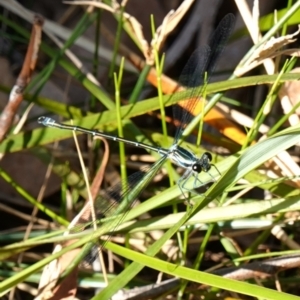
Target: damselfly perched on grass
(119, 199)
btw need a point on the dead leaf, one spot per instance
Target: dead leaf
(170, 21)
(269, 50)
(270, 47)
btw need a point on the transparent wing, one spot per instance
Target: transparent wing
(119, 199)
(202, 61)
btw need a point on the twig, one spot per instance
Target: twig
(16, 95)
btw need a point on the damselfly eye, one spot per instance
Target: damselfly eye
(207, 155)
(197, 168)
